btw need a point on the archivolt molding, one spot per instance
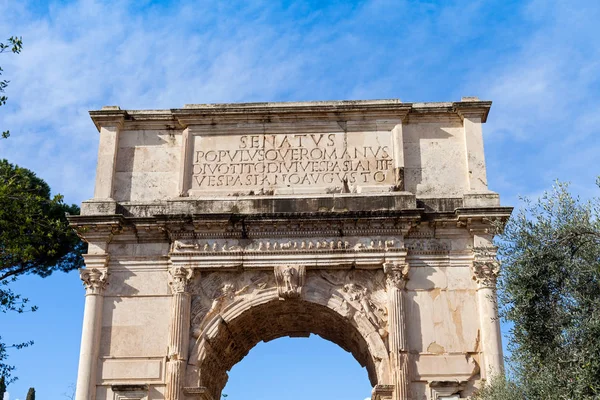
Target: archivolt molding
(218, 293)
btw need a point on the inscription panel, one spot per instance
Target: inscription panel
(334, 162)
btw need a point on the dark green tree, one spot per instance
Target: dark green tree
(14, 45)
(30, 394)
(549, 289)
(2, 387)
(35, 238)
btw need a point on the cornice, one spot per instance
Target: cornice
(243, 226)
(281, 225)
(200, 114)
(109, 116)
(91, 228)
(470, 108)
(481, 220)
(232, 113)
(491, 213)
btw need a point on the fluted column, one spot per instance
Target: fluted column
(485, 272)
(179, 333)
(95, 281)
(396, 277)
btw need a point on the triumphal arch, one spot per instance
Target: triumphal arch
(215, 227)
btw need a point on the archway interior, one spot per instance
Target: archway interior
(298, 369)
(272, 320)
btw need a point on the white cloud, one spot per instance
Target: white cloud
(88, 54)
(542, 73)
(546, 99)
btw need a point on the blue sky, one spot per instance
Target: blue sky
(538, 61)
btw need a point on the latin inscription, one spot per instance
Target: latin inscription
(288, 160)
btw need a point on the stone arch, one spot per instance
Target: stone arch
(228, 336)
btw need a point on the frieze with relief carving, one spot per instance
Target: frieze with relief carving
(427, 245)
(286, 245)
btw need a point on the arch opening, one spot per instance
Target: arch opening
(298, 368)
(230, 336)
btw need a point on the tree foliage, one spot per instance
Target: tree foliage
(549, 290)
(30, 394)
(2, 387)
(13, 45)
(35, 238)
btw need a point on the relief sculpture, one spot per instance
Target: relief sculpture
(291, 245)
(213, 292)
(360, 295)
(290, 279)
(362, 292)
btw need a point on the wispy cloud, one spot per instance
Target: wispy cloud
(547, 101)
(540, 67)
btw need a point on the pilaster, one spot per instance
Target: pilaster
(473, 113)
(179, 333)
(485, 272)
(396, 278)
(109, 122)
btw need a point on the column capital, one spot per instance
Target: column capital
(95, 280)
(180, 278)
(396, 274)
(486, 266)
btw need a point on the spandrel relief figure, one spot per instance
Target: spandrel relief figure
(224, 296)
(334, 278)
(360, 298)
(360, 291)
(216, 290)
(201, 304)
(360, 294)
(211, 295)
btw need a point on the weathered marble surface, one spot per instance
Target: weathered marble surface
(215, 227)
